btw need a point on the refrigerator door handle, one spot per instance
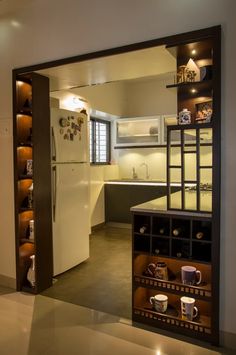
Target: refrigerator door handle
(54, 192)
(54, 152)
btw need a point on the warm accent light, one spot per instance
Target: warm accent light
(193, 91)
(20, 82)
(193, 51)
(78, 102)
(73, 103)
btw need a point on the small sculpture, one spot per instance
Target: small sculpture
(31, 271)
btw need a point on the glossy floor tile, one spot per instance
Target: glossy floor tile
(103, 282)
(39, 325)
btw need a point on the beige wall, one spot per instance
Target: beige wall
(48, 30)
(98, 174)
(7, 242)
(109, 98)
(150, 97)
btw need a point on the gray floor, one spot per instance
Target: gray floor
(104, 281)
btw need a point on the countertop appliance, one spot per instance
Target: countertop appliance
(70, 186)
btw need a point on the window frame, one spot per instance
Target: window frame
(93, 121)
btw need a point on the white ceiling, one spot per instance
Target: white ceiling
(132, 65)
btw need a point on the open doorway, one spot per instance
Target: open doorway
(128, 87)
(126, 165)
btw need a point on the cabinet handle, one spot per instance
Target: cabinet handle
(54, 152)
(54, 196)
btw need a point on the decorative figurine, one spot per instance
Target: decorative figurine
(181, 74)
(30, 195)
(31, 271)
(191, 74)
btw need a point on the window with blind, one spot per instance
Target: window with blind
(99, 141)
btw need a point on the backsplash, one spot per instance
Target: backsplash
(134, 158)
(155, 161)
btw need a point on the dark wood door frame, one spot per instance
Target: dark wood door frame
(183, 38)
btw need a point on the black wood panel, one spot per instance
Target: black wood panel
(41, 209)
(42, 181)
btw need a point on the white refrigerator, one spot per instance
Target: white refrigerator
(70, 189)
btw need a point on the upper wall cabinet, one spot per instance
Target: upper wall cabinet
(32, 183)
(138, 131)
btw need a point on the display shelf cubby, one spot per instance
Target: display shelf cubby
(32, 174)
(172, 317)
(175, 252)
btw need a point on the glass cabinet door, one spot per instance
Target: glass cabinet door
(138, 131)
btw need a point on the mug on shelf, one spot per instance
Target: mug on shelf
(188, 310)
(159, 302)
(150, 270)
(161, 271)
(190, 275)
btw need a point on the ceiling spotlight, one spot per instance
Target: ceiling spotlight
(193, 51)
(193, 91)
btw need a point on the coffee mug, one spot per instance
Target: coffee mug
(188, 310)
(151, 269)
(161, 271)
(190, 275)
(160, 303)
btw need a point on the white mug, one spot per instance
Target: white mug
(189, 275)
(160, 303)
(188, 310)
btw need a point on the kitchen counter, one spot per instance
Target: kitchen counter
(159, 205)
(142, 182)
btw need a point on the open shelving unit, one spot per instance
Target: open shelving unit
(175, 252)
(198, 224)
(32, 180)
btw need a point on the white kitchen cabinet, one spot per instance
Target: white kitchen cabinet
(145, 131)
(138, 131)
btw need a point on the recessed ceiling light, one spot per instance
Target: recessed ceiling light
(193, 51)
(193, 91)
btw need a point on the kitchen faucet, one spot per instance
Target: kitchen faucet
(147, 171)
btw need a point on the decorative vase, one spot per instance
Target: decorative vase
(31, 271)
(185, 117)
